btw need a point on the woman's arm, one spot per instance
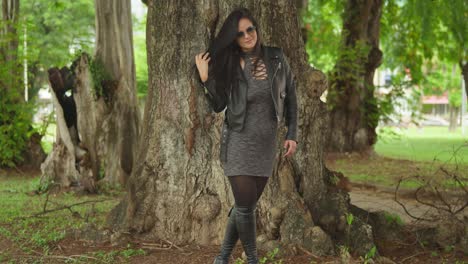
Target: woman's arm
(290, 105)
(217, 101)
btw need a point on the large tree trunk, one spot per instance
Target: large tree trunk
(10, 79)
(354, 113)
(464, 69)
(177, 190)
(107, 117)
(453, 119)
(9, 36)
(66, 166)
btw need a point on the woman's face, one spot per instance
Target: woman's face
(247, 35)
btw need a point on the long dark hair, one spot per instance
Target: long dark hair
(225, 52)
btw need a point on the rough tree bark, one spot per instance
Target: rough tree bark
(9, 48)
(453, 118)
(178, 191)
(106, 105)
(464, 70)
(354, 113)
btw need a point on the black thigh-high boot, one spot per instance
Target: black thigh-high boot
(246, 227)
(230, 239)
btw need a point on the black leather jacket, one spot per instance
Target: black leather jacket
(283, 92)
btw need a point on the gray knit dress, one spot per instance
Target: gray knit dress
(252, 151)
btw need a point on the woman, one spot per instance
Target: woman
(254, 84)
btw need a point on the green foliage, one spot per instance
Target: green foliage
(239, 261)
(393, 218)
(323, 24)
(54, 30)
(15, 114)
(413, 35)
(57, 28)
(442, 79)
(99, 76)
(401, 94)
(141, 65)
(344, 254)
(270, 258)
(334, 179)
(15, 127)
(102, 172)
(349, 222)
(414, 32)
(371, 109)
(44, 186)
(449, 248)
(347, 75)
(386, 134)
(129, 252)
(349, 218)
(370, 255)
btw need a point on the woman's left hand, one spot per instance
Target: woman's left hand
(290, 145)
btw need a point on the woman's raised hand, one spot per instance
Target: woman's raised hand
(201, 60)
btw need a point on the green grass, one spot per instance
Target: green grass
(383, 180)
(33, 235)
(426, 144)
(413, 154)
(48, 139)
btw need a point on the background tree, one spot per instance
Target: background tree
(45, 26)
(177, 190)
(422, 31)
(19, 145)
(412, 34)
(9, 34)
(141, 63)
(55, 31)
(443, 78)
(354, 111)
(98, 124)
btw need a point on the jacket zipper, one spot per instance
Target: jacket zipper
(272, 96)
(227, 105)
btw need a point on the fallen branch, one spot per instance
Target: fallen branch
(307, 252)
(68, 207)
(404, 207)
(172, 244)
(159, 245)
(412, 256)
(71, 258)
(154, 246)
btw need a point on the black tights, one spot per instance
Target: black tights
(247, 189)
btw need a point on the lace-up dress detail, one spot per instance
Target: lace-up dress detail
(252, 151)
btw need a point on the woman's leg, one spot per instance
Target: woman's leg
(231, 235)
(261, 182)
(230, 238)
(247, 190)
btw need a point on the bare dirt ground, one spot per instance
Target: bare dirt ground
(406, 250)
(373, 199)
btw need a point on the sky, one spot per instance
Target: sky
(138, 8)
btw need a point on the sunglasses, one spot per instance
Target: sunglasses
(250, 30)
